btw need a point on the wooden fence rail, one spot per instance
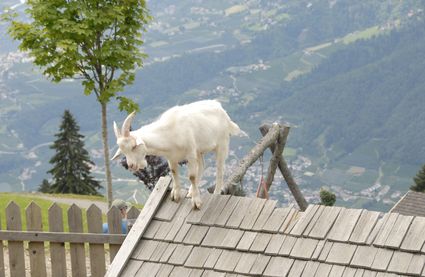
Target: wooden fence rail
(58, 243)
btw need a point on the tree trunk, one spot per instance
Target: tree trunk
(106, 155)
(233, 185)
(283, 167)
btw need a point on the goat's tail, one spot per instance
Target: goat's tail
(236, 131)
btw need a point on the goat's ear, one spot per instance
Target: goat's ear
(116, 130)
(117, 154)
(125, 130)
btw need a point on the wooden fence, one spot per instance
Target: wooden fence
(76, 243)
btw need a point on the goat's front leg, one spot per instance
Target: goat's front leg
(194, 179)
(175, 192)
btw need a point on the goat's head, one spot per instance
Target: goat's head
(133, 148)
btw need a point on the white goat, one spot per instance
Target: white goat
(181, 133)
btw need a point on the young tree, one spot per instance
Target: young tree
(44, 186)
(71, 162)
(419, 180)
(327, 198)
(97, 41)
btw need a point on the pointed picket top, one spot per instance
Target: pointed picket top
(34, 218)
(13, 217)
(94, 210)
(133, 213)
(114, 220)
(75, 219)
(55, 218)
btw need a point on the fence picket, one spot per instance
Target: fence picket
(36, 249)
(114, 227)
(78, 255)
(133, 213)
(57, 250)
(97, 251)
(2, 274)
(16, 249)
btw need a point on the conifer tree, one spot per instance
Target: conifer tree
(419, 180)
(44, 186)
(71, 163)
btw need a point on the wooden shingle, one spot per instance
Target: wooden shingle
(215, 236)
(246, 241)
(400, 262)
(344, 225)
(164, 270)
(159, 251)
(341, 253)
(195, 235)
(145, 250)
(323, 270)
(364, 256)
(178, 271)
(414, 239)
(364, 226)
(259, 265)
(239, 212)
(382, 259)
(180, 254)
(304, 248)
(168, 252)
(398, 231)
(195, 215)
(152, 229)
(278, 266)
(252, 214)
(169, 208)
(212, 258)
(198, 257)
(148, 268)
(260, 242)
(267, 210)
(304, 220)
(232, 239)
(216, 205)
(324, 223)
(245, 263)
(385, 230)
(297, 268)
(276, 219)
(416, 265)
(227, 261)
(275, 244)
(310, 269)
(336, 271)
(287, 245)
(227, 211)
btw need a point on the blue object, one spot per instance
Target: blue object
(123, 227)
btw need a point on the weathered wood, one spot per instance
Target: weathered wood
(195, 235)
(400, 262)
(227, 211)
(245, 263)
(78, 254)
(260, 265)
(364, 226)
(341, 253)
(310, 269)
(198, 257)
(274, 245)
(232, 239)
(283, 167)
(215, 236)
(227, 261)
(297, 268)
(260, 242)
(114, 227)
(139, 227)
(415, 235)
(344, 225)
(324, 222)
(96, 251)
(364, 256)
(60, 237)
(16, 249)
(133, 213)
(57, 249)
(246, 241)
(398, 232)
(217, 204)
(35, 249)
(233, 184)
(212, 258)
(264, 215)
(274, 161)
(2, 272)
(304, 248)
(252, 214)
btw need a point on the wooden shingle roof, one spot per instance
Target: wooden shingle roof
(412, 203)
(237, 236)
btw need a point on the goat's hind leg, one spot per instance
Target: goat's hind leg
(221, 156)
(175, 192)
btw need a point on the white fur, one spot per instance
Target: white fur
(181, 133)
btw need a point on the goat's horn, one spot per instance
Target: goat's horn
(117, 154)
(125, 130)
(116, 130)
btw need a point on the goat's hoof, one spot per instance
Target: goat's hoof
(175, 195)
(196, 203)
(217, 191)
(189, 194)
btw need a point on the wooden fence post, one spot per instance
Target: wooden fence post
(78, 255)
(114, 227)
(2, 273)
(283, 167)
(57, 250)
(16, 249)
(36, 249)
(97, 251)
(133, 213)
